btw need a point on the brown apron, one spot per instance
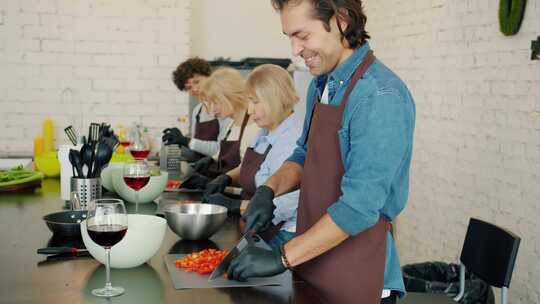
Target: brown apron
(250, 166)
(208, 130)
(229, 153)
(353, 271)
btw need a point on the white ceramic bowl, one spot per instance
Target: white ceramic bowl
(106, 175)
(143, 238)
(147, 194)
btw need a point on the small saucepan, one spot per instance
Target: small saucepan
(65, 223)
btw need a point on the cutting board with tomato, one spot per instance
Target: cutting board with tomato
(188, 280)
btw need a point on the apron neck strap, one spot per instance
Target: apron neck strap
(362, 68)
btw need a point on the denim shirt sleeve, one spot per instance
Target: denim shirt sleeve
(299, 153)
(377, 146)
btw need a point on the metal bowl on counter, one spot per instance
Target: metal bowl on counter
(192, 221)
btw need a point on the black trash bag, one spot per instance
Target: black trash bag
(439, 277)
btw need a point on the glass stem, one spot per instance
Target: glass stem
(137, 201)
(108, 284)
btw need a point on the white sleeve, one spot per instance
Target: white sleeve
(211, 148)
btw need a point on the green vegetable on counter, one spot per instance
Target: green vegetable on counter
(18, 175)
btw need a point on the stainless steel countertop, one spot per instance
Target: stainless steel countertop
(26, 278)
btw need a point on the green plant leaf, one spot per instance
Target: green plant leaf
(511, 14)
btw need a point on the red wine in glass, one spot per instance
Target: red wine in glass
(139, 154)
(125, 143)
(136, 182)
(107, 235)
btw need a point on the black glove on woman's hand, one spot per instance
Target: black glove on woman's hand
(218, 184)
(202, 164)
(173, 136)
(260, 210)
(195, 181)
(232, 205)
(255, 262)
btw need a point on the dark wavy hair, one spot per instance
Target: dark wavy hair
(350, 11)
(188, 69)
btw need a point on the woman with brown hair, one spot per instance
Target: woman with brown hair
(206, 129)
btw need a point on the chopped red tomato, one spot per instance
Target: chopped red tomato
(173, 184)
(202, 262)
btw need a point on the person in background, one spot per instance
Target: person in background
(205, 128)
(351, 163)
(272, 98)
(225, 94)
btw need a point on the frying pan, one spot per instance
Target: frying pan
(65, 223)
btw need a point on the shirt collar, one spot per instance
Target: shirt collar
(344, 71)
(273, 136)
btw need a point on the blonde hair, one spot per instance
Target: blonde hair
(274, 87)
(225, 86)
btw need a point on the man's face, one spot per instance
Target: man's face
(321, 50)
(192, 85)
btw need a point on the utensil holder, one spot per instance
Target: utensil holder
(88, 189)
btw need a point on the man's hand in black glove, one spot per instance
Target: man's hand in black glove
(260, 210)
(255, 262)
(173, 136)
(232, 205)
(195, 181)
(202, 164)
(218, 184)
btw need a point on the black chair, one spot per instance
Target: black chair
(489, 252)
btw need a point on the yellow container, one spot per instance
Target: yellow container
(48, 164)
(48, 135)
(38, 146)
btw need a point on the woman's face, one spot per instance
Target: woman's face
(220, 109)
(257, 112)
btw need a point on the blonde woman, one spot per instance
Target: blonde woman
(272, 98)
(225, 94)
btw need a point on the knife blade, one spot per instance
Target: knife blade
(245, 240)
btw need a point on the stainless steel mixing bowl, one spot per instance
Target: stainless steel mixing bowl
(195, 221)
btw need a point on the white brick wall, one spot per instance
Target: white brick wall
(477, 140)
(116, 56)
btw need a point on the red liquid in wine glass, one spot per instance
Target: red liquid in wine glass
(107, 235)
(136, 182)
(139, 154)
(125, 144)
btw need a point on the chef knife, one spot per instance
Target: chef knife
(59, 250)
(245, 240)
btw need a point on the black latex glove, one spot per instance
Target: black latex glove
(232, 205)
(218, 184)
(255, 262)
(173, 136)
(195, 181)
(202, 164)
(260, 210)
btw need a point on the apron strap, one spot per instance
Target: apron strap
(358, 73)
(362, 68)
(198, 116)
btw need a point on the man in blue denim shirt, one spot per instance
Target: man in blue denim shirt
(375, 144)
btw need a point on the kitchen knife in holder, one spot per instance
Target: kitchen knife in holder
(88, 189)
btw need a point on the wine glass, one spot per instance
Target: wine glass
(136, 175)
(139, 150)
(107, 224)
